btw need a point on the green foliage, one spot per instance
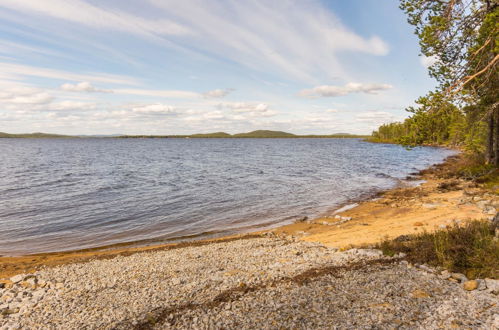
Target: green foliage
(434, 122)
(462, 35)
(471, 249)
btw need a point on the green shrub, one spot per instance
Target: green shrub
(471, 248)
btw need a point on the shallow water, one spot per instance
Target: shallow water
(65, 194)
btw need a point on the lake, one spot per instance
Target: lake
(66, 194)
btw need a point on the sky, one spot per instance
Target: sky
(197, 66)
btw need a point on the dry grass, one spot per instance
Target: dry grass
(471, 249)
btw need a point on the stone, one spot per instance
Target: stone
(492, 285)
(490, 210)
(426, 268)
(470, 285)
(444, 274)
(420, 294)
(418, 224)
(459, 277)
(17, 278)
(481, 204)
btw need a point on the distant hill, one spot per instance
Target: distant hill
(258, 134)
(264, 134)
(34, 135)
(211, 135)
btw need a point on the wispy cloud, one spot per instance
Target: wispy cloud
(350, 88)
(19, 71)
(303, 40)
(97, 16)
(24, 96)
(158, 93)
(218, 93)
(82, 87)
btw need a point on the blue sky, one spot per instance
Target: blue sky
(186, 66)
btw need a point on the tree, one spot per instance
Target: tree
(462, 37)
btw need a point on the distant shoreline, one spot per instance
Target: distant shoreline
(258, 134)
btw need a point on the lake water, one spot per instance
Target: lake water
(65, 194)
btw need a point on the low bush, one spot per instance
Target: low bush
(471, 248)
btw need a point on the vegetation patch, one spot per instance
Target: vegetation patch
(471, 248)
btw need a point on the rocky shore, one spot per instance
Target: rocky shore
(254, 282)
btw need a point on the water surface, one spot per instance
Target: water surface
(65, 194)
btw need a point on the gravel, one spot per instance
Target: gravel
(264, 283)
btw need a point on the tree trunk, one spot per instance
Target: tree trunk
(493, 137)
(496, 135)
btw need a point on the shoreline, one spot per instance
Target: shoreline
(391, 213)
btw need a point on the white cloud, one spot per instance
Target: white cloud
(428, 61)
(71, 105)
(244, 106)
(97, 17)
(155, 109)
(332, 110)
(82, 87)
(302, 39)
(25, 95)
(19, 71)
(333, 91)
(158, 93)
(218, 93)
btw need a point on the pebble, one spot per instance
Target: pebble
(257, 283)
(17, 278)
(470, 285)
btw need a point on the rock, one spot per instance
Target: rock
(430, 205)
(17, 278)
(495, 221)
(459, 277)
(470, 285)
(481, 285)
(420, 294)
(365, 252)
(444, 274)
(418, 224)
(490, 210)
(492, 286)
(481, 204)
(426, 268)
